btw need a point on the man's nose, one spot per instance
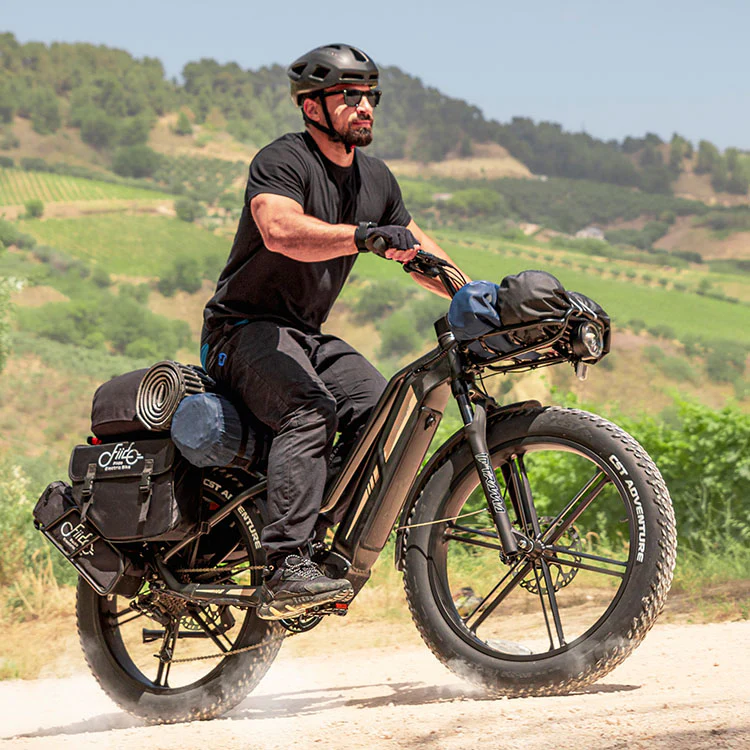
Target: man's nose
(365, 106)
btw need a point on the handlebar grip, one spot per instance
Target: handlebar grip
(379, 245)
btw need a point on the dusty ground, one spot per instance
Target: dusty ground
(685, 687)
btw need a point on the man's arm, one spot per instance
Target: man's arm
(286, 229)
(430, 246)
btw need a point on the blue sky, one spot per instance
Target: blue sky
(610, 68)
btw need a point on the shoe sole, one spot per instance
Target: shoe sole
(295, 607)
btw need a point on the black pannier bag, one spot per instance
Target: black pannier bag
(135, 490)
(58, 517)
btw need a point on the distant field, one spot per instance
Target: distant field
(129, 245)
(624, 300)
(18, 186)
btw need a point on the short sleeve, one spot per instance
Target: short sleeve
(279, 170)
(395, 210)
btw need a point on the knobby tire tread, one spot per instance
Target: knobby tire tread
(262, 658)
(651, 605)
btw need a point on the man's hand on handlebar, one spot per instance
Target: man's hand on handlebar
(392, 242)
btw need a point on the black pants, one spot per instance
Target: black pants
(306, 388)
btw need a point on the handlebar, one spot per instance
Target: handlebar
(433, 267)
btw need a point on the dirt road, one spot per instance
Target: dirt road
(686, 687)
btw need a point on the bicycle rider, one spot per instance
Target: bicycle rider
(313, 202)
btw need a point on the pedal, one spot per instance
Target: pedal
(335, 608)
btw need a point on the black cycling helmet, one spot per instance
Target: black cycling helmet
(327, 66)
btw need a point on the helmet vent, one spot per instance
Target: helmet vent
(320, 73)
(299, 69)
(358, 56)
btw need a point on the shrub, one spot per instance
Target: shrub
(34, 208)
(379, 299)
(134, 131)
(725, 361)
(185, 274)
(8, 140)
(135, 161)
(661, 331)
(637, 325)
(35, 164)
(188, 209)
(101, 278)
(653, 353)
(398, 336)
(98, 129)
(6, 162)
(137, 292)
(183, 126)
(45, 111)
(679, 369)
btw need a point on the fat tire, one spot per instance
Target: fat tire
(231, 681)
(633, 615)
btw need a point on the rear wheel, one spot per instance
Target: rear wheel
(147, 652)
(566, 613)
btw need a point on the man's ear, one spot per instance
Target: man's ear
(311, 107)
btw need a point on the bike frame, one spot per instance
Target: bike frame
(381, 471)
(384, 465)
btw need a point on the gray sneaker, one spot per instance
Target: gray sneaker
(296, 586)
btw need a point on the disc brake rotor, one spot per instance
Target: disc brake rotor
(560, 573)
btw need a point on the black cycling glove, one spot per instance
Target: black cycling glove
(370, 238)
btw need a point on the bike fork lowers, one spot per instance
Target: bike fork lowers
(475, 428)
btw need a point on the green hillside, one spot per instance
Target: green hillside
(18, 186)
(138, 246)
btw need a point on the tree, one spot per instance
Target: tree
(708, 157)
(135, 161)
(34, 208)
(44, 111)
(98, 129)
(134, 131)
(188, 210)
(183, 126)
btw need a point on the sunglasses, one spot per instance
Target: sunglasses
(352, 97)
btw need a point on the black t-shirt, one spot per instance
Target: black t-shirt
(257, 284)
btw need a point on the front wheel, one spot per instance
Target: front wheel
(565, 613)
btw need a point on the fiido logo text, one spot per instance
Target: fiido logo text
(122, 456)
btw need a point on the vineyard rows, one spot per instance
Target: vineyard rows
(18, 186)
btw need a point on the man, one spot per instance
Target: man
(313, 203)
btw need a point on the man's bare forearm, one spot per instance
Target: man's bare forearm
(287, 230)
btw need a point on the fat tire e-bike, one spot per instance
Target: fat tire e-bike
(537, 544)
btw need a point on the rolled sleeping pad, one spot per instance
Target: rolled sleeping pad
(208, 431)
(162, 389)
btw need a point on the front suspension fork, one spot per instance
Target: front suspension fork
(474, 417)
(476, 432)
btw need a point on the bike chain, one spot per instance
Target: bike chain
(217, 570)
(220, 654)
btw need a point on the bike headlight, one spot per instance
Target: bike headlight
(588, 342)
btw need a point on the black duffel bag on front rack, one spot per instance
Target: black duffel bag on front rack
(135, 490)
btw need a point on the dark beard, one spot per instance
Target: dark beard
(357, 137)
